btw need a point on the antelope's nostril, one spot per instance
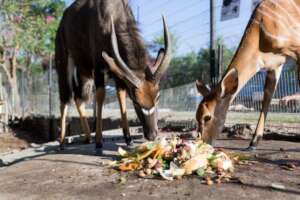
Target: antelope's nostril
(151, 136)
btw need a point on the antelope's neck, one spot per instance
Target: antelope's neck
(247, 60)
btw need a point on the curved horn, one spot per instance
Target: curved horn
(129, 74)
(159, 58)
(164, 64)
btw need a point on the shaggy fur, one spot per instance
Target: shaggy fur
(84, 32)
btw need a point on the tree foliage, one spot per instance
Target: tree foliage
(192, 66)
(159, 42)
(30, 25)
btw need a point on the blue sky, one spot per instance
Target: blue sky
(189, 21)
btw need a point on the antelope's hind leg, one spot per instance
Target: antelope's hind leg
(63, 111)
(83, 87)
(100, 96)
(83, 120)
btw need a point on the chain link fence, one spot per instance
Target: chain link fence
(38, 92)
(182, 102)
(39, 96)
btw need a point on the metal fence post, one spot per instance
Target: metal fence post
(94, 111)
(22, 94)
(51, 135)
(220, 69)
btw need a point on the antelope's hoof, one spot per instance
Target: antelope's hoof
(88, 141)
(62, 146)
(129, 142)
(251, 149)
(99, 150)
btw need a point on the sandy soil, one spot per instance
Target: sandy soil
(8, 143)
(76, 173)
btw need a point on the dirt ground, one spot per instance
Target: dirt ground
(9, 142)
(76, 173)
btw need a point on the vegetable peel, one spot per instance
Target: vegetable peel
(173, 158)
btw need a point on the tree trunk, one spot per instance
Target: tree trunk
(10, 70)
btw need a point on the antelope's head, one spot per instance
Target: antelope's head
(144, 92)
(212, 110)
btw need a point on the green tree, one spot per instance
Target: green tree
(159, 42)
(27, 32)
(192, 66)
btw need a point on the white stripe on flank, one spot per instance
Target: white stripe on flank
(295, 5)
(285, 23)
(279, 37)
(291, 18)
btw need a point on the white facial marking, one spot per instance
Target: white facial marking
(148, 112)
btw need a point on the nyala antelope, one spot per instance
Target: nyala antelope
(272, 36)
(95, 35)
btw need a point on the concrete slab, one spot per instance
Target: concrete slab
(76, 173)
(116, 135)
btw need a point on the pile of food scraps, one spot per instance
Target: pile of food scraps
(174, 158)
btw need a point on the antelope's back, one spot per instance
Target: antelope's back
(85, 29)
(279, 22)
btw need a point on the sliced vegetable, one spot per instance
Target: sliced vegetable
(173, 158)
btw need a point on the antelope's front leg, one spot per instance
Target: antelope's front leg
(298, 64)
(121, 94)
(63, 112)
(83, 120)
(270, 87)
(100, 95)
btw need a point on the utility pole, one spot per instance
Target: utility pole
(138, 14)
(212, 43)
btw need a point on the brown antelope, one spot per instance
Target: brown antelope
(99, 35)
(272, 36)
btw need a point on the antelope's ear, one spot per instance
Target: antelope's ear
(202, 88)
(113, 66)
(230, 83)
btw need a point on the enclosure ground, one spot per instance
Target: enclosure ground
(232, 117)
(76, 173)
(274, 119)
(9, 142)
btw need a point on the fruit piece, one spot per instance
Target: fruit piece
(222, 162)
(148, 171)
(122, 152)
(141, 174)
(199, 161)
(151, 162)
(200, 172)
(209, 181)
(128, 167)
